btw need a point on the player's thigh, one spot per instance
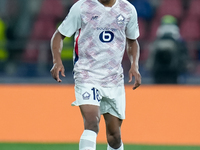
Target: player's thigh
(90, 114)
(113, 124)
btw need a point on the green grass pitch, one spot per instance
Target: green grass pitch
(40, 146)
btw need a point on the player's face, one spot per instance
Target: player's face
(106, 1)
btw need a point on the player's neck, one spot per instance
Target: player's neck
(107, 3)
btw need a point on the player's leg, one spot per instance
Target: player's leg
(91, 118)
(113, 132)
(113, 109)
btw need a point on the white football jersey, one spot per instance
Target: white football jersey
(100, 39)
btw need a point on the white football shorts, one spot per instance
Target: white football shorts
(110, 99)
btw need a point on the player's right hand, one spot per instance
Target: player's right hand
(56, 69)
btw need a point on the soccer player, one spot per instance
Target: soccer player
(103, 30)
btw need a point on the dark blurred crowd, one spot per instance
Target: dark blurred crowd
(169, 38)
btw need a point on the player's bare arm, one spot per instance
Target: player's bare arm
(56, 48)
(133, 51)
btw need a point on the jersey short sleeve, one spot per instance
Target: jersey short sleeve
(72, 21)
(132, 29)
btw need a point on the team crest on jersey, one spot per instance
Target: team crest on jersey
(86, 96)
(120, 19)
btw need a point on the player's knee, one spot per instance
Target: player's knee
(92, 124)
(114, 139)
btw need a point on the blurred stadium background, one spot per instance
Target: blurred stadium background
(27, 26)
(170, 37)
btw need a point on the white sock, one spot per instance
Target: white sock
(88, 140)
(120, 148)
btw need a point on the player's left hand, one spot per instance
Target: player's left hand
(134, 72)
